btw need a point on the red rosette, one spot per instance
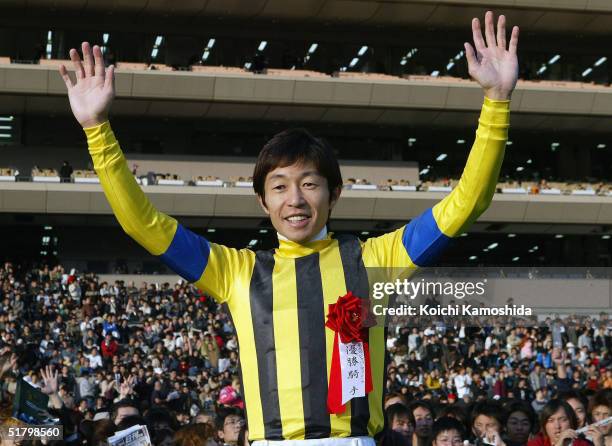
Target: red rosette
(350, 318)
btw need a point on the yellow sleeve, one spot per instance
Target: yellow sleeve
(472, 196)
(185, 252)
(152, 229)
(426, 236)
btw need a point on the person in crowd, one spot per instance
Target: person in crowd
(447, 431)
(423, 420)
(600, 409)
(520, 423)
(487, 421)
(558, 425)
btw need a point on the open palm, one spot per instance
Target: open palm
(92, 94)
(494, 64)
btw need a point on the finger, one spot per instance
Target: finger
(490, 30)
(501, 31)
(76, 62)
(98, 60)
(513, 46)
(88, 59)
(66, 77)
(470, 55)
(109, 80)
(477, 35)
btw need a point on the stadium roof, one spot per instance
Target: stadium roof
(584, 16)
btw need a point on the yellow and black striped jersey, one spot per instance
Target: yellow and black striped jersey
(278, 299)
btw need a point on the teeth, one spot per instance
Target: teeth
(297, 218)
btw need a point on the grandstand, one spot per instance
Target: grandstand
(200, 88)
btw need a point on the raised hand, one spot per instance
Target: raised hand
(92, 94)
(127, 387)
(494, 64)
(49, 380)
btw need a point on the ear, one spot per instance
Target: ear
(334, 197)
(262, 203)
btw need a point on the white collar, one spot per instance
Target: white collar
(320, 236)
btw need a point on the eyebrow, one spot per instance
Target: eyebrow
(305, 174)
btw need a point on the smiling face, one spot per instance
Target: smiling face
(298, 201)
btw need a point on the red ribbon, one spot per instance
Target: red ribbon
(350, 320)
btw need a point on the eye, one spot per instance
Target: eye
(310, 185)
(279, 187)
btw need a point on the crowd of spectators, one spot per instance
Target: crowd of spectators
(113, 355)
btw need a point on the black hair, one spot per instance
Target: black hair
(399, 410)
(491, 409)
(551, 408)
(523, 407)
(445, 424)
(294, 146)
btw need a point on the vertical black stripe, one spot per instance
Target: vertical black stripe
(261, 298)
(356, 279)
(313, 359)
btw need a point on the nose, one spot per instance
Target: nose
(296, 197)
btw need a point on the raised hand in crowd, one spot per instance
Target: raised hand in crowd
(51, 386)
(126, 389)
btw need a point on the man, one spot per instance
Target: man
(401, 424)
(278, 299)
(423, 421)
(487, 420)
(229, 423)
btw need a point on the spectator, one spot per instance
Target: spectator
(66, 172)
(520, 423)
(558, 424)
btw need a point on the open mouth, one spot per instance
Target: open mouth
(298, 221)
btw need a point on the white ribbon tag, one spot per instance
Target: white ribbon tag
(352, 366)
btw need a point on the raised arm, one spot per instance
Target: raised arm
(494, 66)
(91, 97)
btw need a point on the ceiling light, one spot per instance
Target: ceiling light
(441, 157)
(600, 61)
(365, 233)
(606, 236)
(529, 161)
(211, 230)
(159, 40)
(511, 235)
(542, 69)
(461, 141)
(154, 53)
(450, 65)
(485, 250)
(493, 245)
(435, 73)
(558, 235)
(211, 43)
(473, 257)
(553, 59)
(362, 51)
(263, 231)
(465, 234)
(252, 243)
(7, 118)
(509, 143)
(424, 171)
(404, 61)
(105, 38)
(520, 168)
(601, 146)
(205, 55)
(262, 45)
(6, 127)
(515, 259)
(535, 248)
(247, 66)
(313, 48)
(586, 72)
(354, 62)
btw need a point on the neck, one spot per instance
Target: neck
(320, 236)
